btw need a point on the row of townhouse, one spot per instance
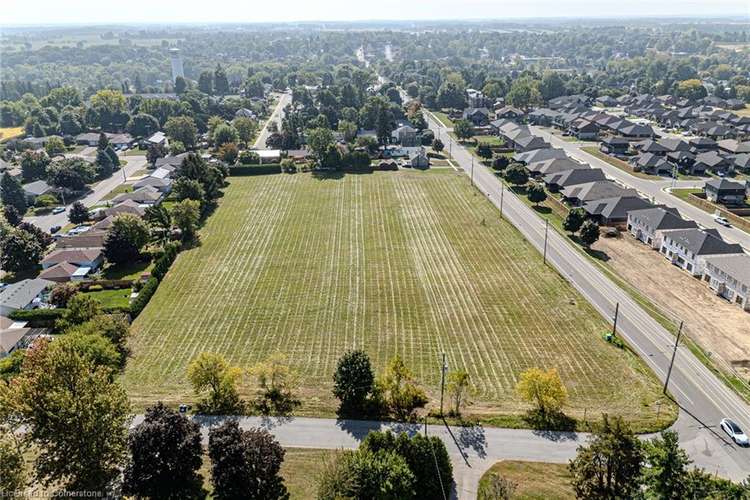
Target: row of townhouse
(725, 267)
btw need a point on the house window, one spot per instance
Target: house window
(689, 267)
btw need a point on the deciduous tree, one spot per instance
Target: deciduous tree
(125, 239)
(589, 233)
(353, 382)
(215, 381)
(543, 389)
(11, 193)
(78, 213)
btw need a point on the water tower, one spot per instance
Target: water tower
(174, 55)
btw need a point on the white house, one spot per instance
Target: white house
(26, 294)
(689, 248)
(649, 224)
(729, 277)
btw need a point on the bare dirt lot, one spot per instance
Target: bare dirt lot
(718, 326)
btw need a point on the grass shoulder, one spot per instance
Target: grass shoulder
(532, 480)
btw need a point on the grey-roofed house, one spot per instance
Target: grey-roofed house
(742, 162)
(560, 180)
(59, 273)
(650, 146)
(729, 277)
(711, 160)
(614, 145)
(25, 294)
(90, 239)
(81, 257)
(162, 184)
(688, 248)
(647, 225)
(34, 189)
(725, 191)
(158, 138)
(553, 166)
(540, 155)
(173, 161)
(530, 143)
(406, 136)
(146, 196)
(509, 113)
(126, 207)
(652, 164)
(636, 130)
(584, 130)
(614, 211)
(477, 116)
(733, 146)
(578, 194)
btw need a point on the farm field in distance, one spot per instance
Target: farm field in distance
(405, 263)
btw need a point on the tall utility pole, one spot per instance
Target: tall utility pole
(614, 325)
(546, 228)
(671, 362)
(443, 369)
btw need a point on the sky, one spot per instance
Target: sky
(41, 12)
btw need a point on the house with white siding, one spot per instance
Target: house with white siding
(689, 248)
(729, 277)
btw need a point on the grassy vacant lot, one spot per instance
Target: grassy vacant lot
(533, 480)
(398, 263)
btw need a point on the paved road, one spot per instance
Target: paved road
(472, 450)
(697, 390)
(652, 189)
(99, 191)
(276, 117)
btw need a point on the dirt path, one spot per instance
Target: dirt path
(717, 325)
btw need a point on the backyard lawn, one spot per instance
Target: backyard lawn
(112, 298)
(404, 263)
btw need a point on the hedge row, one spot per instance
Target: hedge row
(144, 296)
(38, 318)
(270, 168)
(161, 266)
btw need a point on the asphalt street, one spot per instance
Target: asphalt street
(99, 191)
(276, 116)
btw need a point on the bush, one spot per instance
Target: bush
(95, 288)
(144, 296)
(249, 158)
(38, 318)
(45, 200)
(163, 263)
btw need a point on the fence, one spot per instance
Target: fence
(703, 203)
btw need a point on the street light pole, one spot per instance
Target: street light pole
(674, 353)
(614, 325)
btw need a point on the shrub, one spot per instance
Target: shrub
(144, 296)
(38, 318)
(163, 263)
(95, 288)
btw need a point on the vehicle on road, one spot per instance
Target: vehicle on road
(54, 229)
(722, 220)
(734, 432)
(58, 210)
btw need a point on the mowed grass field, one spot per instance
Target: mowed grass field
(397, 263)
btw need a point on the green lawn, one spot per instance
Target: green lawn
(443, 117)
(533, 480)
(112, 298)
(130, 271)
(397, 263)
(119, 189)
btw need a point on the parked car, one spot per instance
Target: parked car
(734, 432)
(58, 210)
(54, 229)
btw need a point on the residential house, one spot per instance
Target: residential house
(584, 130)
(126, 207)
(530, 143)
(688, 248)
(733, 146)
(147, 195)
(157, 139)
(419, 159)
(725, 191)
(616, 146)
(614, 211)
(539, 155)
(635, 131)
(120, 140)
(245, 113)
(60, 272)
(479, 117)
(23, 295)
(406, 136)
(729, 277)
(560, 180)
(90, 239)
(174, 161)
(647, 225)
(509, 113)
(650, 146)
(32, 190)
(542, 117)
(742, 162)
(162, 184)
(702, 144)
(606, 101)
(578, 194)
(476, 98)
(80, 257)
(652, 164)
(711, 160)
(553, 166)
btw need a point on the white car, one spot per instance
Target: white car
(58, 210)
(734, 432)
(722, 220)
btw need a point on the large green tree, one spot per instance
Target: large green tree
(74, 413)
(125, 238)
(182, 129)
(353, 382)
(166, 454)
(245, 463)
(11, 193)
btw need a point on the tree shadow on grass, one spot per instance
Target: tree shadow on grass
(541, 209)
(555, 426)
(597, 254)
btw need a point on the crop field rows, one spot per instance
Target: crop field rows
(407, 263)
